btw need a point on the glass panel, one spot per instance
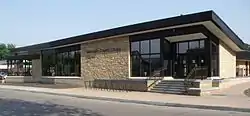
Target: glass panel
(202, 44)
(61, 62)
(155, 46)
(145, 47)
(183, 47)
(135, 46)
(193, 44)
(145, 63)
(155, 61)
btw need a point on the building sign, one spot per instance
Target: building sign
(99, 50)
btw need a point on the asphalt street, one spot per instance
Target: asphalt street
(20, 103)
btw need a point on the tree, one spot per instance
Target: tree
(11, 46)
(5, 50)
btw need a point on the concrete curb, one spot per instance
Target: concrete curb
(221, 108)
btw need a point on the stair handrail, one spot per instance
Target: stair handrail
(157, 79)
(139, 54)
(193, 71)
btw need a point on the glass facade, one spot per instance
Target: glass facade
(61, 62)
(19, 67)
(145, 57)
(152, 54)
(187, 55)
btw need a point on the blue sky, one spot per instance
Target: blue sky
(26, 22)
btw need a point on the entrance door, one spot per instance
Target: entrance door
(186, 62)
(181, 66)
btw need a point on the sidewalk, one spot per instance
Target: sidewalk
(214, 102)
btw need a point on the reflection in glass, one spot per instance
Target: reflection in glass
(135, 46)
(148, 60)
(183, 47)
(155, 46)
(193, 44)
(61, 62)
(202, 43)
(145, 47)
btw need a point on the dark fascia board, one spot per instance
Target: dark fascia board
(24, 57)
(226, 30)
(178, 20)
(245, 55)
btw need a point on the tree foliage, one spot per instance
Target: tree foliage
(5, 50)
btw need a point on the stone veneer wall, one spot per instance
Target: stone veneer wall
(105, 64)
(227, 60)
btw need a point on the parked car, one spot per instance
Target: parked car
(3, 76)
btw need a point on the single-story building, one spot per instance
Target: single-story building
(195, 46)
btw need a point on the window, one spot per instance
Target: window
(19, 67)
(148, 58)
(61, 61)
(202, 44)
(144, 47)
(188, 54)
(193, 44)
(183, 47)
(155, 46)
(135, 46)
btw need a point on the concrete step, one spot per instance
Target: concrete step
(170, 84)
(168, 89)
(166, 82)
(168, 92)
(177, 87)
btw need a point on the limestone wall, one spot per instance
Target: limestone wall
(227, 60)
(105, 59)
(36, 69)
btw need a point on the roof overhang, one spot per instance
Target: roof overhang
(243, 56)
(208, 19)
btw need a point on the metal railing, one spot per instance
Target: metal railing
(196, 73)
(155, 74)
(108, 84)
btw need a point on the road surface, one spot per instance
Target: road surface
(20, 103)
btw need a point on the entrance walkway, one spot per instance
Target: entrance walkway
(238, 90)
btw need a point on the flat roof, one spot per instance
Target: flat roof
(156, 24)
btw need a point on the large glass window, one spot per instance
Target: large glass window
(155, 46)
(145, 57)
(144, 47)
(183, 47)
(193, 44)
(19, 67)
(61, 62)
(188, 54)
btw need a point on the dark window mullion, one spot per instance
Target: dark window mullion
(149, 46)
(140, 73)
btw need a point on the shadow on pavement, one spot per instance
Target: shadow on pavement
(11, 107)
